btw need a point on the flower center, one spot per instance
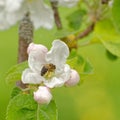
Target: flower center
(48, 70)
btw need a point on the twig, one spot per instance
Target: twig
(86, 32)
(56, 14)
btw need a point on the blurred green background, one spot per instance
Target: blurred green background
(97, 98)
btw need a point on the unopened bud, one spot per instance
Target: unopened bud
(74, 78)
(43, 95)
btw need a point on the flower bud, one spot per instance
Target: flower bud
(43, 95)
(35, 47)
(74, 78)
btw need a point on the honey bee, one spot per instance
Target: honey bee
(47, 68)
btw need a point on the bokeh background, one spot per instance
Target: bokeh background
(97, 98)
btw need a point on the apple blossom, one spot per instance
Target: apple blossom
(74, 78)
(55, 59)
(43, 95)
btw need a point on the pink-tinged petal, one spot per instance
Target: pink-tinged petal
(28, 76)
(36, 58)
(58, 54)
(43, 95)
(74, 78)
(34, 47)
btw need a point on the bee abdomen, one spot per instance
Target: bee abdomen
(44, 71)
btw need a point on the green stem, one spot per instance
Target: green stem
(38, 111)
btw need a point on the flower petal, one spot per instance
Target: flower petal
(54, 82)
(34, 47)
(65, 76)
(41, 14)
(28, 76)
(13, 6)
(58, 54)
(14, 15)
(2, 3)
(36, 57)
(4, 24)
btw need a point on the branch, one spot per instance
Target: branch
(56, 14)
(25, 37)
(86, 32)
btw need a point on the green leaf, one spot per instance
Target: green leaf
(88, 68)
(15, 92)
(106, 31)
(110, 56)
(112, 47)
(107, 34)
(116, 14)
(73, 54)
(14, 73)
(48, 112)
(82, 65)
(23, 107)
(75, 19)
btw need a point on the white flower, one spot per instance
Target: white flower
(43, 95)
(74, 78)
(50, 67)
(3, 22)
(40, 14)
